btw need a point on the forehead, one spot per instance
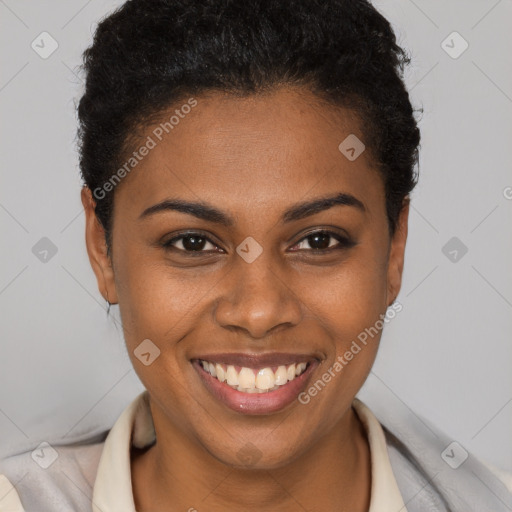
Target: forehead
(266, 149)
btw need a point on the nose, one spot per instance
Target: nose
(257, 300)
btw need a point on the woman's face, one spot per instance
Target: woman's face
(251, 287)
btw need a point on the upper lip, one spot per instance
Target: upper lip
(257, 360)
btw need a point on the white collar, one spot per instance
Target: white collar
(113, 485)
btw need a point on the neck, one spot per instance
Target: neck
(178, 474)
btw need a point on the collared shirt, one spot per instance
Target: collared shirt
(112, 490)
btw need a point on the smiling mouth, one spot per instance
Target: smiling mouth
(254, 380)
(256, 383)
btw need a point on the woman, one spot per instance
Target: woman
(247, 170)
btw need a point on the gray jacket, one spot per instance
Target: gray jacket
(433, 472)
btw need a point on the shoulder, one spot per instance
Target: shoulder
(9, 498)
(435, 472)
(51, 477)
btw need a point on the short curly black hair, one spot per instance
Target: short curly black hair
(149, 54)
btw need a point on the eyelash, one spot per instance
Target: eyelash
(343, 242)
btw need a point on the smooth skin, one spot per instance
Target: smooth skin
(252, 158)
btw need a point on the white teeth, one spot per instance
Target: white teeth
(246, 378)
(247, 381)
(232, 376)
(300, 368)
(221, 374)
(265, 379)
(247, 390)
(281, 376)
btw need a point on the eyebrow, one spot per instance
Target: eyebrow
(296, 212)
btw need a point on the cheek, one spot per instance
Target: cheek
(155, 307)
(349, 305)
(160, 302)
(152, 302)
(349, 299)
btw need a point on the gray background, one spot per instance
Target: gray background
(64, 370)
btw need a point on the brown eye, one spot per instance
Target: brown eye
(319, 240)
(323, 241)
(190, 242)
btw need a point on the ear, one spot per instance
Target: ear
(396, 254)
(101, 262)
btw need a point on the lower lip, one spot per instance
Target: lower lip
(255, 403)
